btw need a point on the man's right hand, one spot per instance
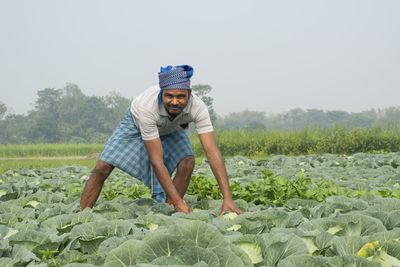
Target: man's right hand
(181, 206)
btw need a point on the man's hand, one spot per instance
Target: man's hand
(218, 168)
(181, 206)
(230, 205)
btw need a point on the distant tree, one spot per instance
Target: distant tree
(202, 91)
(84, 117)
(47, 126)
(90, 118)
(48, 99)
(68, 115)
(70, 109)
(337, 117)
(295, 119)
(370, 114)
(3, 110)
(363, 119)
(72, 90)
(93, 114)
(316, 117)
(246, 119)
(116, 105)
(15, 129)
(392, 114)
(114, 100)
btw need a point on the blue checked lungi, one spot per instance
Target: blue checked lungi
(125, 150)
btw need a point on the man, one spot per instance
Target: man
(151, 141)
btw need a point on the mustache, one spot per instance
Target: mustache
(174, 106)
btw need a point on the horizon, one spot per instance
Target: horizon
(380, 109)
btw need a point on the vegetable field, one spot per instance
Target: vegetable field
(314, 210)
(340, 139)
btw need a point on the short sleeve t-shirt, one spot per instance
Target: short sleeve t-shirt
(154, 121)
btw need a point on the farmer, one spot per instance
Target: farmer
(151, 141)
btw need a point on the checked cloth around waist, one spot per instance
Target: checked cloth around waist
(125, 150)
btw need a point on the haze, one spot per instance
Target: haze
(269, 56)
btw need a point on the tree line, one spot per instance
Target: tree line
(65, 116)
(297, 119)
(69, 116)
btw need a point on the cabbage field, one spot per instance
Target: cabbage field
(314, 210)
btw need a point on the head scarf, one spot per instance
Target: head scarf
(174, 77)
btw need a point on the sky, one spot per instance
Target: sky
(262, 55)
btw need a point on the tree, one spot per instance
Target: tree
(392, 114)
(247, 119)
(90, 118)
(48, 99)
(14, 129)
(117, 105)
(92, 114)
(337, 116)
(3, 110)
(47, 127)
(295, 119)
(70, 108)
(202, 91)
(72, 90)
(316, 117)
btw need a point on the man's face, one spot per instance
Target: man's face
(175, 100)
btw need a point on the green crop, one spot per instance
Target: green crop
(313, 210)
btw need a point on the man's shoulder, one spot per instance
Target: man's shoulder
(197, 103)
(148, 97)
(145, 103)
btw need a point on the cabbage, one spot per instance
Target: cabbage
(230, 215)
(385, 259)
(252, 250)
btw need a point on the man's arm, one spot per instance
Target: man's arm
(218, 168)
(155, 152)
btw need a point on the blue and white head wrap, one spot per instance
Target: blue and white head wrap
(174, 77)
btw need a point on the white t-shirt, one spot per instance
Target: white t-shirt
(154, 121)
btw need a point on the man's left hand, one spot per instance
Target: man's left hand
(230, 205)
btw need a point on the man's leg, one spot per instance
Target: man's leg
(183, 174)
(95, 183)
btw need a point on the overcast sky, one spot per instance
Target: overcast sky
(269, 56)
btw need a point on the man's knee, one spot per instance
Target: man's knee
(187, 164)
(102, 170)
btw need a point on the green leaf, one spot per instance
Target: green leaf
(347, 245)
(253, 246)
(162, 245)
(126, 254)
(28, 239)
(23, 255)
(194, 255)
(167, 260)
(7, 262)
(227, 257)
(351, 260)
(302, 261)
(242, 255)
(281, 247)
(202, 234)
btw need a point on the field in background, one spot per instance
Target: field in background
(39, 164)
(336, 140)
(13, 164)
(254, 144)
(49, 150)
